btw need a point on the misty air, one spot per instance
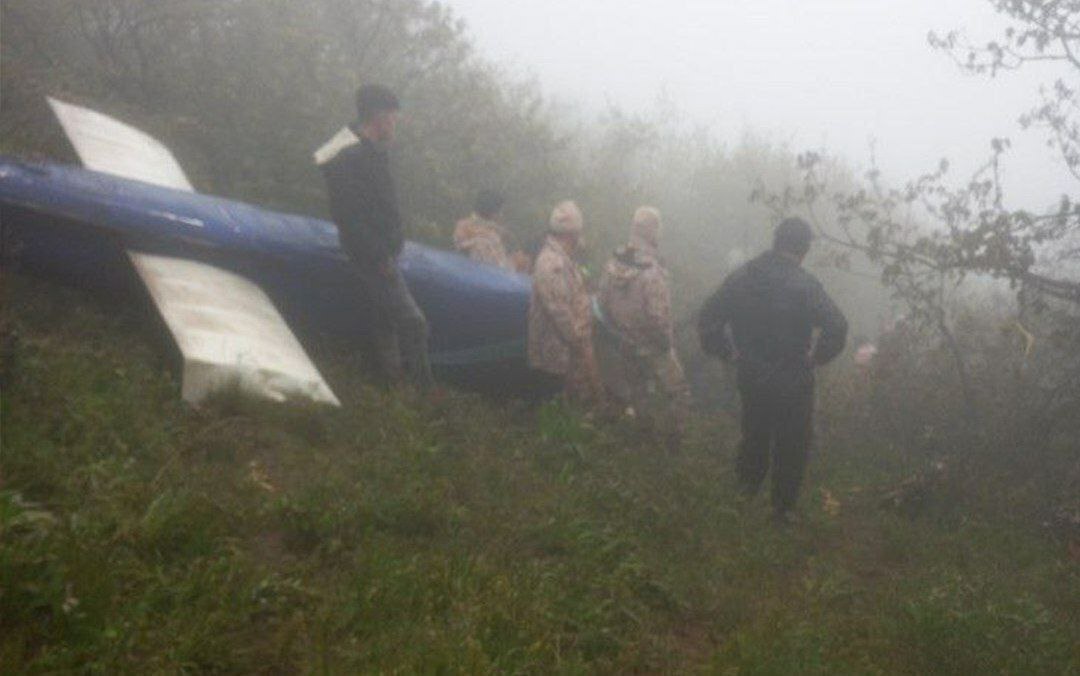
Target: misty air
(408, 336)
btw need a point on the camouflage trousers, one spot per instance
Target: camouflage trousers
(657, 389)
(581, 383)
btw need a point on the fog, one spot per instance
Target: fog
(179, 494)
(835, 74)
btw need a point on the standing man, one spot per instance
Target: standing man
(560, 311)
(363, 203)
(763, 318)
(480, 236)
(635, 300)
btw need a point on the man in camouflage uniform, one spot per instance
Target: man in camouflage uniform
(763, 318)
(635, 301)
(480, 235)
(560, 311)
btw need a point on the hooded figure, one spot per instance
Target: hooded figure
(635, 304)
(560, 312)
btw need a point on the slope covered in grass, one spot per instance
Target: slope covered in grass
(138, 535)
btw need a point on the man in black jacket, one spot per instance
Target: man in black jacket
(763, 318)
(363, 203)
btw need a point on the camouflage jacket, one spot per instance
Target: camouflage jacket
(560, 312)
(635, 298)
(481, 240)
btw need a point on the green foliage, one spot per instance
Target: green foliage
(397, 535)
(245, 91)
(931, 235)
(400, 535)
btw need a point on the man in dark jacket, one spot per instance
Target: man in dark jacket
(763, 319)
(363, 203)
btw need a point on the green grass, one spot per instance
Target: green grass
(138, 535)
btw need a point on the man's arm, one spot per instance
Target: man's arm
(713, 323)
(834, 327)
(657, 308)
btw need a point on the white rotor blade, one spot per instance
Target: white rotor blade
(227, 329)
(112, 147)
(229, 332)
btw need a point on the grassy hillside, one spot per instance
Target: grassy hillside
(138, 535)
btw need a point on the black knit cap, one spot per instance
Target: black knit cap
(373, 99)
(793, 236)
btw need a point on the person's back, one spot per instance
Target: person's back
(635, 304)
(771, 306)
(480, 236)
(481, 240)
(635, 299)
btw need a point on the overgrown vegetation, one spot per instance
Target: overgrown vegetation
(138, 535)
(400, 534)
(943, 250)
(245, 90)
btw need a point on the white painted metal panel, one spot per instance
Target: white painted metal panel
(112, 147)
(228, 331)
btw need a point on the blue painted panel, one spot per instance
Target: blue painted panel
(477, 313)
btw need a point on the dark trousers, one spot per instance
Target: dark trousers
(777, 420)
(399, 332)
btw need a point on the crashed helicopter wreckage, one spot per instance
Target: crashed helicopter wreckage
(231, 280)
